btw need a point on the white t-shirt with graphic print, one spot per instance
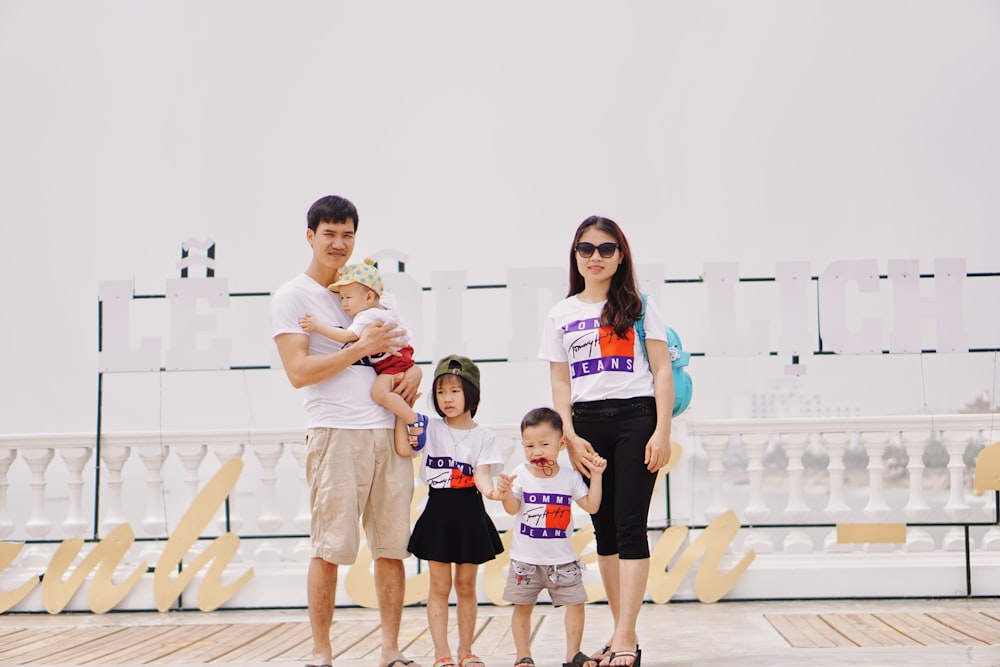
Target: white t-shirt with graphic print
(544, 524)
(601, 365)
(451, 455)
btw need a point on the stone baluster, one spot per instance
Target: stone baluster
(991, 539)
(154, 522)
(957, 508)
(191, 457)
(796, 509)
(7, 456)
(715, 447)
(268, 517)
(917, 510)
(224, 454)
(75, 458)
(38, 524)
(755, 444)
(877, 510)
(113, 458)
(302, 549)
(837, 509)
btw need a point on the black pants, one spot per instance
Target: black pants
(619, 429)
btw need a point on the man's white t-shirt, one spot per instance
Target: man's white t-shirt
(601, 365)
(343, 401)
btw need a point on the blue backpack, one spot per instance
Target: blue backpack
(678, 360)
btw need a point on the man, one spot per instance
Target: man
(352, 468)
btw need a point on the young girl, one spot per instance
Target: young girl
(461, 458)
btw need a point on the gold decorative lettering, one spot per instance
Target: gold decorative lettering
(987, 477)
(104, 594)
(8, 552)
(211, 593)
(710, 584)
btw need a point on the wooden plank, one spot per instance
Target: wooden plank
(492, 633)
(69, 650)
(134, 644)
(233, 637)
(927, 631)
(979, 626)
(167, 644)
(817, 633)
(795, 632)
(42, 642)
(194, 651)
(268, 644)
(866, 630)
(131, 641)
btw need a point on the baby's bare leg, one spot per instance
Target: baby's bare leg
(383, 395)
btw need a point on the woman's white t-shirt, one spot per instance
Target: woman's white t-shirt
(601, 365)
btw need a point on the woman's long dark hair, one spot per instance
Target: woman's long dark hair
(624, 304)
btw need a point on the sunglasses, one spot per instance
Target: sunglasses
(586, 250)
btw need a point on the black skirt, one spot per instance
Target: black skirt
(455, 528)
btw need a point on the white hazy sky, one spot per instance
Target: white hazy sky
(475, 138)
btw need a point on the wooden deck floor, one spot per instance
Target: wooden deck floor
(962, 628)
(228, 643)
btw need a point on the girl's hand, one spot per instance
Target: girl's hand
(309, 323)
(581, 454)
(657, 451)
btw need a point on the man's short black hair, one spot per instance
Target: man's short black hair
(331, 209)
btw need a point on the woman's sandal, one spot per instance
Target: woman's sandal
(524, 662)
(445, 662)
(636, 656)
(581, 659)
(417, 441)
(470, 659)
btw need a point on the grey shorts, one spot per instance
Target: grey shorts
(563, 582)
(356, 475)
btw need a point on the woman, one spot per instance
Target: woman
(616, 403)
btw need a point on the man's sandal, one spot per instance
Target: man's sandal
(418, 440)
(581, 659)
(524, 662)
(470, 659)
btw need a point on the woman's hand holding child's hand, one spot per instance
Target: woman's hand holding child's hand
(598, 464)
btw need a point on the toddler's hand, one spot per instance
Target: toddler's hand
(504, 483)
(308, 323)
(598, 464)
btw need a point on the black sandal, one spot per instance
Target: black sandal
(523, 661)
(581, 659)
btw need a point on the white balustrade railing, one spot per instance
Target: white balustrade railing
(789, 481)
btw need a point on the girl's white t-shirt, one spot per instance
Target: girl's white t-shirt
(451, 455)
(601, 365)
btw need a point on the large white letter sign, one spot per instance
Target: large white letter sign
(793, 287)
(945, 307)
(525, 286)
(185, 324)
(116, 354)
(721, 279)
(448, 288)
(834, 330)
